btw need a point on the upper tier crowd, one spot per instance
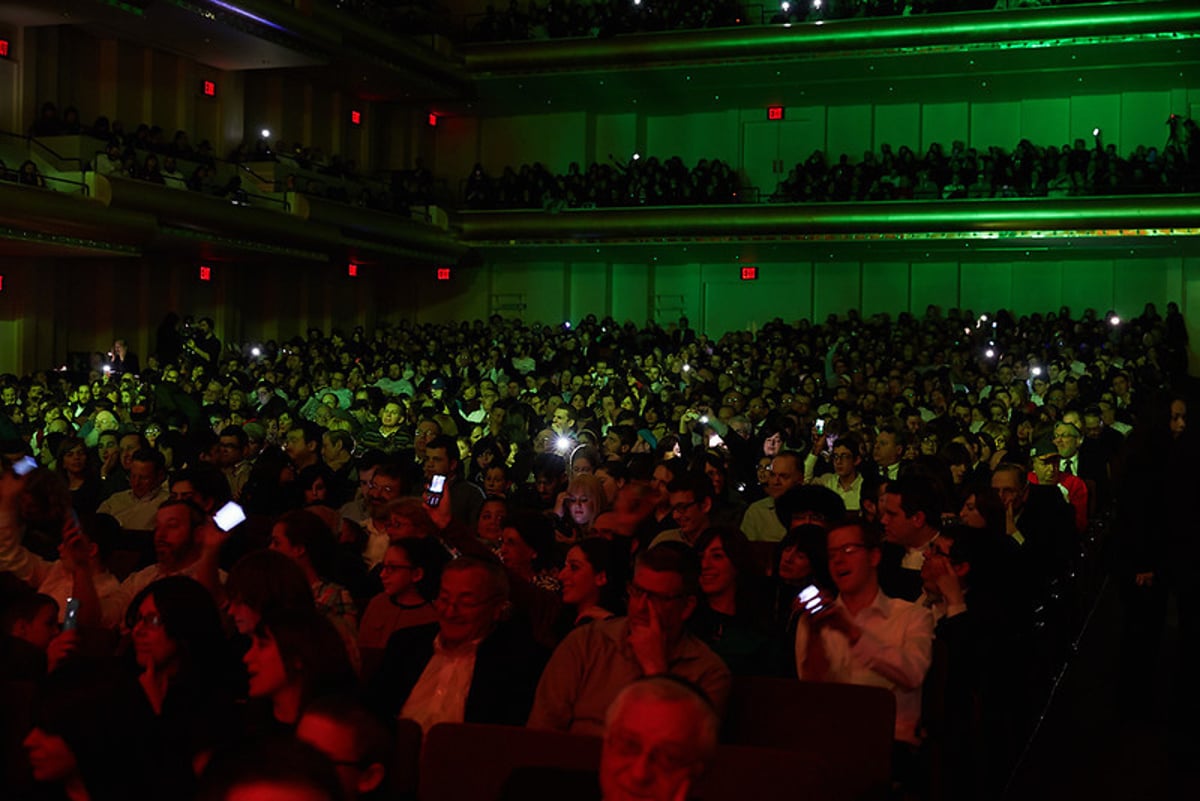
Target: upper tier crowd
(594, 19)
(507, 523)
(942, 173)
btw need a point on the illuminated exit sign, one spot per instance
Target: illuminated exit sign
(775, 113)
(749, 273)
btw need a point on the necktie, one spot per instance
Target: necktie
(1067, 469)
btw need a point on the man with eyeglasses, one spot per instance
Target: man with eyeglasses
(864, 637)
(760, 523)
(471, 666)
(660, 736)
(595, 662)
(691, 501)
(386, 482)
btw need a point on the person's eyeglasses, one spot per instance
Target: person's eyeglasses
(839, 457)
(466, 604)
(849, 549)
(683, 507)
(153, 621)
(386, 568)
(638, 593)
(386, 489)
(665, 760)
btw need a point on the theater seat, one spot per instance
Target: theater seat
(471, 761)
(404, 769)
(847, 727)
(741, 772)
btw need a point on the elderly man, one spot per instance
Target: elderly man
(660, 734)
(761, 523)
(595, 662)
(471, 666)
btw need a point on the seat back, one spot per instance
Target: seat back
(471, 761)
(404, 769)
(743, 772)
(848, 727)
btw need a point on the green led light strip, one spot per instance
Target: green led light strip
(25, 235)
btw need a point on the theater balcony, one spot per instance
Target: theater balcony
(81, 212)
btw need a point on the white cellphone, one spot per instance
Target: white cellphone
(229, 516)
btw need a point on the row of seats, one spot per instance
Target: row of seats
(782, 738)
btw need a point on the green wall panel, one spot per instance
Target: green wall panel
(933, 282)
(630, 293)
(985, 286)
(1046, 120)
(884, 287)
(944, 123)
(836, 288)
(1034, 285)
(553, 139)
(897, 124)
(1096, 111)
(1143, 120)
(692, 137)
(615, 134)
(588, 290)
(1137, 282)
(995, 125)
(848, 130)
(1086, 284)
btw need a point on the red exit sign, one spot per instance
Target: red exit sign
(749, 273)
(443, 273)
(208, 88)
(356, 118)
(775, 113)
(4, 48)
(205, 273)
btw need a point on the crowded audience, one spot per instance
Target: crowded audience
(497, 522)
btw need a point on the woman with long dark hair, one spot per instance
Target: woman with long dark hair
(732, 619)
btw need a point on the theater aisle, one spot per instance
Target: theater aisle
(1085, 751)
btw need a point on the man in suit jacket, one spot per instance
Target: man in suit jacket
(471, 666)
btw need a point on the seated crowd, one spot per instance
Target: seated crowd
(640, 182)
(148, 155)
(962, 172)
(512, 524)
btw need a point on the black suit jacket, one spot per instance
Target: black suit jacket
(897, 581)
(507, 668)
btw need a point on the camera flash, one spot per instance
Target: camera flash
(563, 444)
(989, 353)
(1114, 320)
(687, 367)
(1037, 371)
(256, 352)
(1095, 132)
(266, 133)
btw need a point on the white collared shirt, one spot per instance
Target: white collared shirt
(440, 695)
(894, 652)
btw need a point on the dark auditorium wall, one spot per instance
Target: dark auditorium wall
(128, 82)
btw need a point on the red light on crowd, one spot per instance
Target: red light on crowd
(443, 274)
(775, 113)
(205, 273)
(749, 273)
(352, 270)
(209, 88)
(4, 48)
(356, 118)
(432, 120)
